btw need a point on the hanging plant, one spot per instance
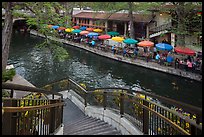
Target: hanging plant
(98, 96)
(63, 84)
(162, 35)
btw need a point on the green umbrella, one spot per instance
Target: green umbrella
(130, 41)
(76, 31)
(113, 33)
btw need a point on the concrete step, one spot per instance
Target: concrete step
(90, 130)
(84, 126)
(89, 126)
(113, 132)
(99, 130)
(80, 120)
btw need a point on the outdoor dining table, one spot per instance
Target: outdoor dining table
(103, 47)
(183, 65)
(130, 53)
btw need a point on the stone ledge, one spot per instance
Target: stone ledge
(138, 62)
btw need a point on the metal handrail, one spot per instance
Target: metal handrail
(159, 110)
(184, 106)
(21, 113)
(30, 108)
(27, 88)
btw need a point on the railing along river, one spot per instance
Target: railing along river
(31, 116)
(150, 113)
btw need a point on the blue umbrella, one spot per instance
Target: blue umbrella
(83, 28)
(92, 34)
(164, 46)
(55, 27)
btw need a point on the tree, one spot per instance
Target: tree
(6, 33)
(45, 13)
(185, 19)
(132, 30)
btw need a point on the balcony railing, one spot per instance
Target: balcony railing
(150, 113)
(31, 116)
(163, 27)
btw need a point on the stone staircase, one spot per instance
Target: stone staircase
(89, 126)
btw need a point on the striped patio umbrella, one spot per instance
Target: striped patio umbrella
(84, 32)
(98, 30)
(89, 29)
(145, 43)
(76, 31)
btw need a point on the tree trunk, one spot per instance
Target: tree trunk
(132, 31)
(181, 28)
(6, 34)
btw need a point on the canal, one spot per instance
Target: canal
(38, 67)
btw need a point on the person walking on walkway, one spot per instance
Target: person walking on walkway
(136, 49)
(93, 43)
(158, 58)
(176, 63)
(113, 49)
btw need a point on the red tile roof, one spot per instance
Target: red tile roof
(115, 16)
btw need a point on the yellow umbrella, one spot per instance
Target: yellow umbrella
(69, 30)
(118, 39)
(98, 30)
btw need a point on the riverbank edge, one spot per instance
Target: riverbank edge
(138, 62)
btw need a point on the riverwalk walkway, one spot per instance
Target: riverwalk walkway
(138, 62)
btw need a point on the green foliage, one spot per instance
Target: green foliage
(5, 93)
(48, 13)
(8, 74)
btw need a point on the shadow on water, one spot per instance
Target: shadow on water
(38, 67)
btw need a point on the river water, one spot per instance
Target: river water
(38, 67)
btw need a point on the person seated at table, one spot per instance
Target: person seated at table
(136, 49)
(189, 64)
(87, 41)
(93, 43)
(157, 57)
(124, 52)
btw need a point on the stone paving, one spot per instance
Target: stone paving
(17, 79)
(138, 62)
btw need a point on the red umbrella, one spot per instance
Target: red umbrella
(145, 43)
(104, 37)
(61, 28)
(184, 50)
(75, 27)
(90, 29)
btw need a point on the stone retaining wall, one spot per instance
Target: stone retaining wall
(138, 62)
